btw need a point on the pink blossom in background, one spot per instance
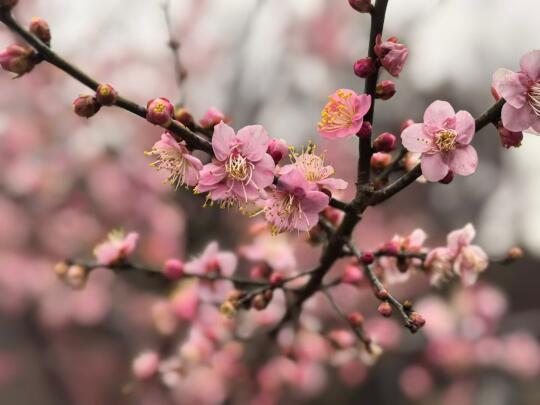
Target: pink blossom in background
(212, 117)
(276, 251)
(343, 115)
(145, 365)
(174, 157)
(443, 139)
(392, 54)
(521, 92)
(241, 169)
(116, 248)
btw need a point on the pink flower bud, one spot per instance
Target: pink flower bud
(510, 139)
(145, 365)
(367, 257)
(356, 319)
(364, 67)
(365, 130)
(183, 115)
(385, 142)
(385, 90)
(76, 277)
(278, 149)
(352, 274)
(8, 3)
(40, 28)
(362, 6)
(448, 178)
(333, 215)
(380, 160)
(259, 302)
(381, 294)
(212, 117)
(259, 271)
(160, 111)
(392, 55)
(106, 94)
(276, 279)
(406, 124)
(385, 309)
(174, 269)
(391, 248)
(417, 319)
(86, 106)
(17, 59)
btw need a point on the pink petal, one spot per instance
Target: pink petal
(222, 139)
(292, 180)
(415, 139)
(434, 168)
(463, 160)
(308, 221)
(536, 125)
(314, 202)
(212, 174)
(254, 139)
(194, 161)
(530, 64)
(517, 119)
(362, 104)
(263, 172)
(510, 86)
(460, 237)
(438, 114)
(227, 263)
(465, 127)
(333, 184)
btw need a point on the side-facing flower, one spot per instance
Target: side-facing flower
(443, 140)
(241, 169)
(116, 248)
(17, 59)
(175, 158)
(521, 91)
(294, 204)
(392, 54)
(343, 115)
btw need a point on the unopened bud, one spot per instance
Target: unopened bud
(510, 139)
(17, 59)
(448, 178)
(385, 90)
(367, 257)
(106, 94)
(352, 274)
(362, 6)
(40, 28)
(514, 253)
(174, 269)
(86, 106)
(259, 302)
(385, 142)
(365, 130)
(278, 149)
(406, 124)
(381, 294)
(364, 67)
(417, 320)
(276, 279)
(212, 117)
(259, 271)
(76, 276)
(145, 365)
(268, 294)
(333, 215)
(356, 319)
(380, 160)
(160, 111)
(385, 309)
(61, 269)
(407, 305)
(183, 115)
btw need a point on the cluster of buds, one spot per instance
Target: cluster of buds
(87, 105)
(74, 275)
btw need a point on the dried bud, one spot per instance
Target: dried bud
(364, 67)
(278, 149)
(381, 294)
(76, 277)
(510, 139)
(352, 274)
(385, 142)
(362, 6)
(380, 160)
(417, 319)
(40, 28)
(514, 253)
(365, 130)
(407, 305)
(405, 124)
(385, 309)
(8, 3)
(448, 178)
(356, 319)
(259, 302)
(86, 106)
(276, 279)
(174, 269)
(183, 115)
(17, 59)
(160, 111)
(367, 257)
(106, 94)
(385, 90)
(61, 269)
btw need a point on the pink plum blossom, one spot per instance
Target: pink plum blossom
(276, 251)
(343, 115)
(294, 204)
(241, 169)
(175, 158)
(392, 54)
(521, 91)
(116, 248)
(443, 139)
(145, 365)
(212, 117)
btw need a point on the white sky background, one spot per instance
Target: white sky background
(454, 44)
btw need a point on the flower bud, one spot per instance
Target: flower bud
(362, 6)
(365, 130)
(228, 308)
(174, 269)
(40, 28)
(514, 253)
(86, 106)
(495, 93)
(145, 365)
(259, 271)
(106, 94)
(183, 115)
(333, 215)
(276, 279)
(61, 269)
(212, 117)
(76, 277)
(17, 59)
(356, 319)
(509, 138)
(385, 309)
(352, 274)
(268, 294)
(385, 142)
(380, 160)
(448, 178)
(381, 294)
(405, 124)
(278, 149)
(259, 302)
(391, 248)
(8, 3)
(407, 305)
(160, 111)
(364, 67)
(385, 90)
(417, 319)
(367, 257)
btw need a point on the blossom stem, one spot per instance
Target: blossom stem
(180, 72)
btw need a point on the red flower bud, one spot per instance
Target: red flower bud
(259, 302)
(448, 178)
(86, 106)
(106, 94)
(509, 138)
(160, 111)
(385, 142)
(17, 59)
(278, 149)
(514, 253)
(365, 130)
(367, 257)
(184, 116)
(417, 319)
(356, 319)
(276, 279)
(380, 160)
(364, 67)
(352, 274)
(174, 269)
(385, 309)
(385, 90)
(362, 6)
(405, 124)
(40, 28)
(381, 294)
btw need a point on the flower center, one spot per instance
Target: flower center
(533, 97)
(336, 114)
(446, 140)
(238, 167)
(160, 107)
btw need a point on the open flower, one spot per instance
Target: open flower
(175, 158)
(343, 115)
(241, 169)
(294, 204)
(443, 140)
(522, 94)
(391, 54)
(116, 248)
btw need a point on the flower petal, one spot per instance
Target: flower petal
(254, 139)
(314, 202)
(465, 127)
(415, 139)
(438, 114)
(509, 85)
(263, 172)
(517, 119)
(530, 64)
(221, 140)
(434, 167)
(463, 160)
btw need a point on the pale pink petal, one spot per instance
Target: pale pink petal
(362, 104)
(536, 125)
(308, 221)
(464, 127)
(415, 139)
(333, 184)
(227, 263)
(263, 172)
(254, 139)
(293, 180)
(460, 237)
(222, 139)
(438, 114)
(510, 86)
(210, 251)
(192, 176)
(530, 64)
(517, 119)
(194, 161)
(463, 160)
(417, 239)
(314, 202)
(434, 167)
(212, 174)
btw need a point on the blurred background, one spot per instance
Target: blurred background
(67, 181)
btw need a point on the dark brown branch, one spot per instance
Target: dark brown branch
(174, 45)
